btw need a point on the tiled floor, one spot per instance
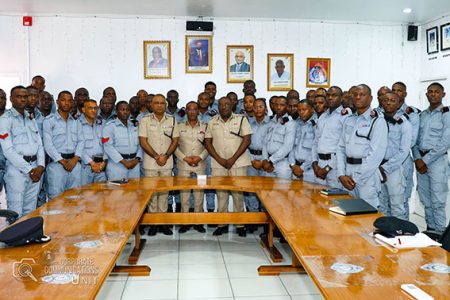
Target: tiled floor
(200, 266)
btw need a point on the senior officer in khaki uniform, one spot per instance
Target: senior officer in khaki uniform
(191, 154)
(158, 136)
(227, 138)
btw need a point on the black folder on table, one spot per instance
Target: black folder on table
(349, 207)
(334, 192)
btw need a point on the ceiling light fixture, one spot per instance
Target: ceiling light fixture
(407, 10)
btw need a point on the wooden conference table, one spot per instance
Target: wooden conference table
(90, 226)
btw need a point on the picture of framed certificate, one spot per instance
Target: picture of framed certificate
(198, 54)
(318, 72)
(157, 60)
(239, 63)
(280, 71)
(445, 37)
(432, 40)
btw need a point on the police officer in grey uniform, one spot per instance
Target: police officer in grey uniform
(328, 134)
(22, 147)
(398, 148)
(300, 158)
(93, 158)
(431, 160)
(121, 145)
(279, 142)
(361, 149)
(63, 142)
(412, 114)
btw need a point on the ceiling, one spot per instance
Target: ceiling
(339, 10)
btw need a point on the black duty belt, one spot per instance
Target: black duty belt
(67, 155)
(255, 152)
(354, 161)
(97, 159)
(30, 158)
(323, 156)
(424, 152)
(128, 156)
(299, 162)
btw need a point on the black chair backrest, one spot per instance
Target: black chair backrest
(445, 239)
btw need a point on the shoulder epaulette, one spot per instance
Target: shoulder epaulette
(271, 117)
(445, 109)
(344, 112)
(406, 116)
(212, 112)
(284, 120)
(374, 114)
(399, 120)
(313, 122)
(135, 122)
(411, 109)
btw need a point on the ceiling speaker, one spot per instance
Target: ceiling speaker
(412, 32)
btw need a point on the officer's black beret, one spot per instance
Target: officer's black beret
(25, 232)
(392, 226)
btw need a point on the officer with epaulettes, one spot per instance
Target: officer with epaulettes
(412, 114)
(279, 142)
(398, 148)
(24, 153)
(121, 145)
(93, 158)
(361, 149)
(431, 160)
(300, 158)
(328, 133)
(191, 155)
(64, 144)
(205, 113)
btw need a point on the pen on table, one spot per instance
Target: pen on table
(399, 241)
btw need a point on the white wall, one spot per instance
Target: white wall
(97, 52)
(434, 65)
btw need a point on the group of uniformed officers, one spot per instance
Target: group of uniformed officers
(332, 137)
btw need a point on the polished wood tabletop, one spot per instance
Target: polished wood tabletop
(106, 216)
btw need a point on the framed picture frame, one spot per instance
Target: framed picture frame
(198, 54)
(157, 60)
(280, 71)
(432, 40)
(239, 63)
(318, 72)
(445, 37)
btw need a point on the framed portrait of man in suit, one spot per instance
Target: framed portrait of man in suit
(198, 54)
(280, 71)
(318, 71)
(157, 60)
(239, 63)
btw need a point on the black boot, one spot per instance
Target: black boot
(211, 225)
(152, 231)
(177, 207)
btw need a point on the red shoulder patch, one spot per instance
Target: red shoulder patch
(105, 140)
(4, 136)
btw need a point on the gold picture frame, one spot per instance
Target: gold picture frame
(284, 80)
(157, 60)
(198, 54)
(239, 69)
(318, 72)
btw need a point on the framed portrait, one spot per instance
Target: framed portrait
(157, 60)
(318, 72)
(432, 40)
(239, 63)
(198, 54)
(280, 71)
(445, 37)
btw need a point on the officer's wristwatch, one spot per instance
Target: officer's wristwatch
(327, 168)
(292, 165)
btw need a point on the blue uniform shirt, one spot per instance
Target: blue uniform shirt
(304, 139)
(412, 114)
(279, 139)
(19, 136)
(62, 137)
(329, 131)
(92, 137)
(399, 143)
(179, 114)
(259, 134)
(204, 118)
(364, 136)
(120, 139)
(434, 134)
